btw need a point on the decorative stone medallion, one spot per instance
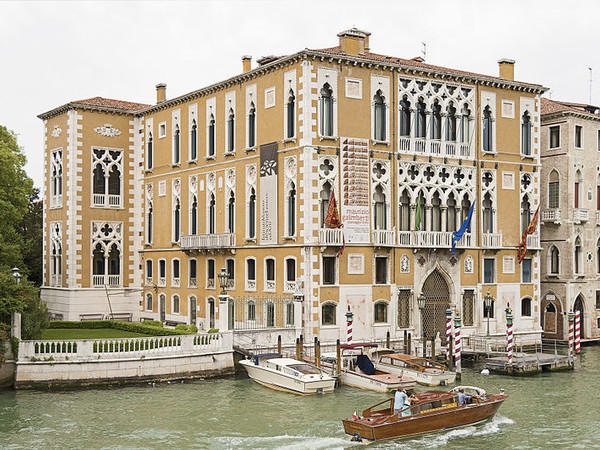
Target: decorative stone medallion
(56, 131)
(107, 130)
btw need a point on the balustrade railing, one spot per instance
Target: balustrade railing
(581, 215)
(270, 285)
(290, 286)
(384, 238)
(434, 147)
(56, 280)
(331, 236)
(431, 239)
(207, 241)
(491, 240)
(106, 280)
(533, 241)
(210, 283)
(111, 200)
(550, 215)
(193, 282)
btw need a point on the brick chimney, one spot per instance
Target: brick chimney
(354, 41)
(507, 68)
(161, 92)
(247, 63)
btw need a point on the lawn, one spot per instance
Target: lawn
(80, 333)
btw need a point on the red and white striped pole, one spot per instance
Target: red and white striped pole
(448, 335)
(349, 317)
(457, 345)
(509, 334)
(571, 318)
(577, 332)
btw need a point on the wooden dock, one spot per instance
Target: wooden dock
(528, 363)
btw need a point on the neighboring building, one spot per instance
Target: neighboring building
(570, 217)
(240, 175)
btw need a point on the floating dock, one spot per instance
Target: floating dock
(528, 364)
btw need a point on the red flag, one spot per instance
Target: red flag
(529, 230)
(333, 219)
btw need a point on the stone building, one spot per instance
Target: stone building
(240, 175)
(570, 217)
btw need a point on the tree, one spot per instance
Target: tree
(31, 229)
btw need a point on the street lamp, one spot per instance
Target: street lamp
(488, 304)
(421, 303)
(16, 275)
(223, 277)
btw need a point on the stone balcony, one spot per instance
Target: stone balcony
(431, 239)
(435, 147)
(383, 238)
(491, 240)
(551, 215)
(581, 215)
(331, 236)
(208, 242)
(533, 242)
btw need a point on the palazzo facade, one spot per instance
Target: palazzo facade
(144, 204)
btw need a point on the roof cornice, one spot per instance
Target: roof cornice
(571, 113)
(75, 105)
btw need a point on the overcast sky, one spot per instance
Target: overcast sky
(56, 52)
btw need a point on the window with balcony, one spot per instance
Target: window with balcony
(149, 223)
(106, 177)
(231, 131)
(488, 134)
(175, 304)
(326, 110)
(578, 136)
(553, 190)
(56, 178)
(56, 263)
(328, 313)
(380, 210)
(251, 274)
(488, 214)
(525, 213)
(230, 267)
(379, 119)
(405, 117)
(451, 213)
(231, 213)
(162, 273)
(421, 120)
(554, 136)
(554, 260)
(405, 211)
(451, 123)
(149, 302)
(381, 312)
(150, 152)
(106, 254)
(193, 141)
(381, 266)
(149, 271)
(526, 307)
(291, 210)
(526, 270)
(436, 212)
(290, 111)
(290, 274)
(465, 125)
(176, 145)
(436, 120)
(210, 274)
(193, 273)
(269, 274)
(329, 269)
(251, 126)
(175, 281)
(526, 127)
(324, 197)
(251, 217)
(211, 137)
(489, 270)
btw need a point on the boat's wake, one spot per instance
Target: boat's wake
(281, 442)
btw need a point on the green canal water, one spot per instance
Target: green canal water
(555, 410)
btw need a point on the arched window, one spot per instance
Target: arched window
(269, 274)
(328, 312)
(251, 310)
(149, 224)
(525, 213)
(526, 133)
(231, 213)
(324, 197)
(554, 260)
(578, 257)
(231, 131)
(598, 256)
(436, 121)
(379, 125)
(436, 212)
(251, 274)
(405, 117)
(252, 126)
(211, 214)
(526, 307)
(150, 152)
(193, 273)
(380, 216)
(326, 110)
(149, 271)
(252, 214)
(577, 189)
(421, 120)
(175, 271)
(99, 182)
(176, 146)
(451, 123)
(465, 131)
(162, 299)
(98, 260)
(194, 216)
(488, 135)
(465, 205)
(290, 274)
(175, 309)
(405, 211)
(211, 313)
(381, 309)
(291, 210)
(149, 302)
(194, 141)
(270, 314)
(451, 213)
(488, 214)
(291, 115)
(114, 184)
(177, 221)
(553, 190)
(211, 136)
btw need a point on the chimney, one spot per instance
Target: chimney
(507, 68)
(354, 41)
(161, 92)
(247, 63)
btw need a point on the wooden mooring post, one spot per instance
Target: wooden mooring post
(298, 348)
(409, 347)
(301, 347)
(279, 344)
(318, 353)
(432, 348)
(339, 357)
(405, 342)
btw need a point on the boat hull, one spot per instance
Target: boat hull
(283, 382)
(378, 383)
(424, 378)
(419, 424)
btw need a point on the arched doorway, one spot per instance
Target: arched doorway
(437, 301)
(550, 318)
(578, 306)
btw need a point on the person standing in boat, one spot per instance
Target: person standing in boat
(463, 398)
(401, 401)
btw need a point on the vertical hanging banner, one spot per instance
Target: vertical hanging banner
(355, 190)
(268, 193)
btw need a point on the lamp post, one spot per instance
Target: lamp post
(16, 316)
(225, 319)
(16, 275)
(488, 303)
(421, 303)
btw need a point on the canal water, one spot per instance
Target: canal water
(546, 411)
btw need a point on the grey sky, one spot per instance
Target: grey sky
(55, 52)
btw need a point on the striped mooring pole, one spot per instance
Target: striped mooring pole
(577, 332)
(448, 335)
(509, 334)
(349, 317)
(571, 319)
(457, 362)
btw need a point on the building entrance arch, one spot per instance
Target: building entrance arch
(578, 306)
(437, 301)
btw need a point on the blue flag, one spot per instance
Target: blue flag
(466, 225)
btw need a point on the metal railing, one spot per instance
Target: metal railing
(253, 313)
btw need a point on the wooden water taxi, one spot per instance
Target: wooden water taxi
(358, 370)
(287, 374)
(430, 411)
(425, 371)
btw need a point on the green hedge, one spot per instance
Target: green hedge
(186, 329)
(120, 325)
(153, 323)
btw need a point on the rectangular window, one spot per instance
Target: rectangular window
(404, 308)
(576, 195)
(488, 270)
(553, 194)
(231, 270)
(210, 273)
(149, 269)
(176, 304)
(162, 129)
(597, 299)
(290, 270)
(328, 269)
(526, 271)
(468, 302)
(578, 137)
(598, 198)
(193, 271)
(555, 136)
(380, 270)
(175, 268)
(251, 270)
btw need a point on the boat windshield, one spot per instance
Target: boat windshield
(305, 368)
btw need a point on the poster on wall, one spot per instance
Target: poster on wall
(268, 193)
(355, 190)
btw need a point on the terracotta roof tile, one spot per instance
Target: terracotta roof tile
(110, 103)
(551, 106)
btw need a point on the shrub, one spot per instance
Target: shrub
(189, 329)
(152, 323)
(120, 325)
(213, 330)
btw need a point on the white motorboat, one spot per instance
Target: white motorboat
(287, 374)
(358, 370)
(425, 371)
